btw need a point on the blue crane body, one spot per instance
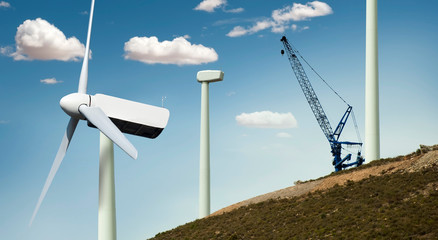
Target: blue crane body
(321, 117)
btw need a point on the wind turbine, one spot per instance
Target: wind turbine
(205, 78)
(111, 116)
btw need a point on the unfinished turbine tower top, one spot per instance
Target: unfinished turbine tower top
(210, 76)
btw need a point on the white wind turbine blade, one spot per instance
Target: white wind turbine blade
(83, 79)
(56, 163)
(99, 119)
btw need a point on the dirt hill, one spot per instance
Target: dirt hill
(388, 198)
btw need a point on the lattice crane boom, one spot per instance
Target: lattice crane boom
(308, 91)
(319, 113)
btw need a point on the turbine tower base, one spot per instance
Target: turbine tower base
(107, 202)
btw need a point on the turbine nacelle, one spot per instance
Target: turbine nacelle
(128, 116)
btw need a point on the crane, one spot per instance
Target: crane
(321, 117)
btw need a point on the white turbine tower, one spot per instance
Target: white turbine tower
(205, 77)
(111, 116)
(372, 128)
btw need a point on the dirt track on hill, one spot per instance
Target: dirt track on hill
(425, 157)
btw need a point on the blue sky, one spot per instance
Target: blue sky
(159, 190)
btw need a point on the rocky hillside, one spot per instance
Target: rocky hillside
(393, 198)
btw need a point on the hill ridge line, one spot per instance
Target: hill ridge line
(424, 157)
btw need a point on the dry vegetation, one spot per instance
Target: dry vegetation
(394, 198)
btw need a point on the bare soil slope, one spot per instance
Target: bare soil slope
(424, 157)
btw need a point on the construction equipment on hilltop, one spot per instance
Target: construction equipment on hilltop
(318, 111)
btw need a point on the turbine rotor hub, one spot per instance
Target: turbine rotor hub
(71, 102)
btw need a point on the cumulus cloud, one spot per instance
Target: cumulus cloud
(300, 12)
(50, 81)
(5, 4)
(278, 28)
(281, 18)
(178, 51)
(38, 39)
(237, 32)
(261, 25)
(267, 119)
(283, 135)
(258, 26)
(210, 5)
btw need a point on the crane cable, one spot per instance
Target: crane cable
(319, 75)
(345, 149)
(352, 112)
(355, 126)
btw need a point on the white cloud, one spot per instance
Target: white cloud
(278, 28)
(280, 18)
(4, 122)
(178, 51)
(7, 51)
(186, 36)
(38, 39)
(294, 27)
(235, 10)
(300, 12)
(237, 32)
(261, 25)
(5, 4)
(229, 94)
(267, 119)
(283, 135)
(210, 5)
(50, 81)
(258, 26)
